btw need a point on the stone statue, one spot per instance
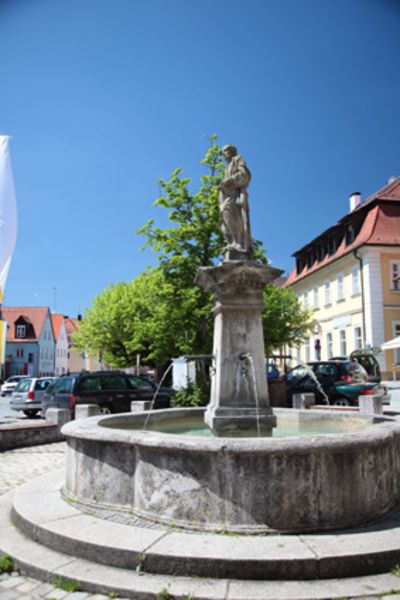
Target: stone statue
(233, 205)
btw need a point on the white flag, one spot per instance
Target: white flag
(8, 212)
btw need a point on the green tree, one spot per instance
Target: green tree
(162, 313)
(285, 322)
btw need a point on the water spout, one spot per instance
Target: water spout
(146, 422)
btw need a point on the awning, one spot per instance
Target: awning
(391, 344)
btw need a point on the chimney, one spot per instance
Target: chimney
(79, 317)
(355, 200)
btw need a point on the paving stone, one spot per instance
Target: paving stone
(57, 594)
(10, 595)
(11, 582)
(27, 586)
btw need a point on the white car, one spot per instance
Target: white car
(10, 384)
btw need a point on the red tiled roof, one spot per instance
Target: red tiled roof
(71, 325)
(56, 321)
(381, 226)
(33, 314)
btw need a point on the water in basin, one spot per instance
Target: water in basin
(286, 427)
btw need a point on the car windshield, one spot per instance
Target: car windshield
(23, 385)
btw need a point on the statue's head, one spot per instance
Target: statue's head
(229, 151)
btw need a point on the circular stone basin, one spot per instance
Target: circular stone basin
(243, 485)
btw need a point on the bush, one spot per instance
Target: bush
(192, 395)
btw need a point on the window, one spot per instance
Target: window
(327, 288)
(329, 345)
(64, 386)
(305, 299)
(114, 382)
(307, 349)
(331, 245)
(355, 278)
(394, 275)
(340, 287)
(136, 383)
(320, 251)
(343, 344)
(357, 338)
(20, 331)
(315, 297)
(349, 237)
(310, 258)
(89, 384)
(299, 265)
(396, 333)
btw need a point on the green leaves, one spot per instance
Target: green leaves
(162, 313)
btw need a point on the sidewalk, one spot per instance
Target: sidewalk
(16, 467)
(20, 465)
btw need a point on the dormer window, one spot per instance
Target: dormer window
(310, 258)
(299, 265)
(349, 235)
(320, 251)
(331, 245)
(20, 331)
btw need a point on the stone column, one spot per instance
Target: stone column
(239, 404)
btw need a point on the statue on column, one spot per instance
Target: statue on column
(234, 206)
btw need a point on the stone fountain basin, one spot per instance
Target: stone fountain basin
(239, 485)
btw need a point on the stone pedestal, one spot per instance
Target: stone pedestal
(239, 404)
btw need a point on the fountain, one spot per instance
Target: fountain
(151, 508)
(241, 478)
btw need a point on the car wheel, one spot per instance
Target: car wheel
(30, 413)
(104, 409)
(341, 402)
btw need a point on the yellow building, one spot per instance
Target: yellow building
(349, 276)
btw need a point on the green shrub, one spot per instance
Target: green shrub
(192, 395)
(6, 564)
(68, 585)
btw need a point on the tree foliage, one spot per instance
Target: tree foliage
(162, 313)
(285, 322)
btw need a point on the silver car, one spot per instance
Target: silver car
(27, 396)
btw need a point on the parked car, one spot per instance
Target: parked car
(367, 360)
(272, 371)
(113, 391)
(342, 381)
(27, 396)
(10, 384)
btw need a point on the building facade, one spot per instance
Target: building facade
(349, 276)
(61, 344)
(30, 341)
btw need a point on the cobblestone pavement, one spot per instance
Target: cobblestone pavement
(16, 467)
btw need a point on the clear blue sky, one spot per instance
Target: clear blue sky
(102, 97)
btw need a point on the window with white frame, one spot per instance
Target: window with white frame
(305, 299)
(20, 331)
(315, 297)
(395, 275)
(342, 341)
(396, 333)
(327, 290)
(329, 345)
(355, 279)
(340, 286)
(307, 349)
(358, 338)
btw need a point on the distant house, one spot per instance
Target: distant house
(30, 341)
(78, 359)
(61, 341)
(349, 275)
